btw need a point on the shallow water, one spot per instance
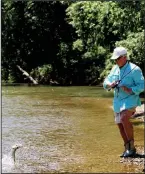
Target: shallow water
(62, 129)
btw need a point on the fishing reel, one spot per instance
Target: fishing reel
(116, 85)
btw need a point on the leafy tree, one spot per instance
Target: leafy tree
(42, 74)
(71, 41)
(31, 35)
(135, 45)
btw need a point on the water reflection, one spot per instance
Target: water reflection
(62, 130)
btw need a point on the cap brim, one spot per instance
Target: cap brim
(114, 57)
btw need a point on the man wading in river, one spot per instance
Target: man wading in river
(127, 81)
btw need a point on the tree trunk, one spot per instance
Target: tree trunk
(27, 75)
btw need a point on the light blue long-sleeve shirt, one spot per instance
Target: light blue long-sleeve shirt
(131, 76)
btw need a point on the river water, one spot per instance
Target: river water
(61, 129)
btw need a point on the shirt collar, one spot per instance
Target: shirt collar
(124, 66)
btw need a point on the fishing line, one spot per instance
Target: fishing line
(117, 83)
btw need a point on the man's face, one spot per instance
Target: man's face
(121, 61)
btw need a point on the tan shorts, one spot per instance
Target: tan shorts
(118, 115)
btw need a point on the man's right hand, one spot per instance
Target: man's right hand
(111, 85)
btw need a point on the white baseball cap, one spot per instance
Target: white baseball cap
(118, 51)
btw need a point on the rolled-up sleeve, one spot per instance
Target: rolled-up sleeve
(107, 81)
(138, 81)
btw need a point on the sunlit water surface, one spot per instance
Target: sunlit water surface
(62, 129)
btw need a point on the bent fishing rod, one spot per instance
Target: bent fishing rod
(117, 82)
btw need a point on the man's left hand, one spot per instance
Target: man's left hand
(126, 89)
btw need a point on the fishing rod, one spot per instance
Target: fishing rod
(117, 82)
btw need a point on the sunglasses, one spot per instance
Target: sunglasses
(119, 58)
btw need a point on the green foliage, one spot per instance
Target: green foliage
(99, 22)
(31, 32)
(68, 42)
(42, 74)
(99, 25)
(92, 75)
(108, 66)
(4, 75)
(135, 44)
(78, 45)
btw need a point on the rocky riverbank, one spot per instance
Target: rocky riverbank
(137, 161)
(140, 113)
